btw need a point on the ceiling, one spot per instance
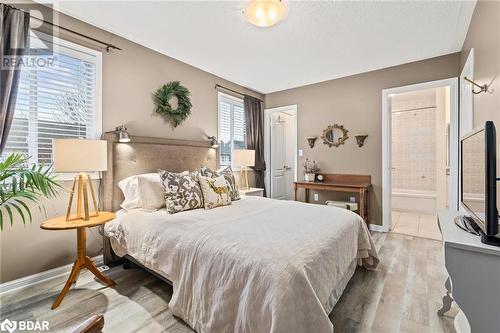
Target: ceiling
(317, 41)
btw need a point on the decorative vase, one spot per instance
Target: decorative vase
(309, 177)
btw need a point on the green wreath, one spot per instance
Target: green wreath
(162, 98)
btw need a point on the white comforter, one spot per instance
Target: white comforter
(258, 265)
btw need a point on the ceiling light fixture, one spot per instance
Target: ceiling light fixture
(265, 13)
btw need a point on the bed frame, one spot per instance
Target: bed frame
(145, 155)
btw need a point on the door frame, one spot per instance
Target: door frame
(293, 109)
(387, 136)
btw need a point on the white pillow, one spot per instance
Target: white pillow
(151, 192)
(130, 189)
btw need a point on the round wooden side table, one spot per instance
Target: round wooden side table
(82, 260)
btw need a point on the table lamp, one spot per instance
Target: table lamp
(244, 158)
(81, 156)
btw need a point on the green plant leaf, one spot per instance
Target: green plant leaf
(9, 211)
(22, 203)
(19, 211)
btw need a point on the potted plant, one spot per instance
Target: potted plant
(22, 185)
(310, 170)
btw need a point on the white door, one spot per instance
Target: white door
(282, 156)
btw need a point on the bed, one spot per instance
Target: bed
(257, 265)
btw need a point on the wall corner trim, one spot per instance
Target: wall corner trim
(42, 276)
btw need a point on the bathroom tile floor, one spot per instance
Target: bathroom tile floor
(415, 224)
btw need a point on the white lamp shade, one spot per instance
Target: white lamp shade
(79, 155)
(243, 157)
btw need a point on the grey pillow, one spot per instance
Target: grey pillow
(182, 191)
(228, 174)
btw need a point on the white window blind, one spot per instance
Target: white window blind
(58, 101)
(232, 127)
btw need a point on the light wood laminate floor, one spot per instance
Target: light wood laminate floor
(402, 295)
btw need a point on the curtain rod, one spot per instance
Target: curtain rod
(218, 86)
(108, 45)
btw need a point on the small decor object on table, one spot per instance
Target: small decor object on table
(320, 178)
(163, 96)
(310, 170)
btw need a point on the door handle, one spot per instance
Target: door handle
(286, 167)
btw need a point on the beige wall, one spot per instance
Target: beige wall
(484, 37)
(129, 78)
(356, 103)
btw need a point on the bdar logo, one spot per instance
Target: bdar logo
(8, 326)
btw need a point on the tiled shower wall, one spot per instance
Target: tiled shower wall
(414, 147)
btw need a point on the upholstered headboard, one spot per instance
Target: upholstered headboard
(145, 155)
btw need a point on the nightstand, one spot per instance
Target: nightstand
(252, 192)
(82, 261)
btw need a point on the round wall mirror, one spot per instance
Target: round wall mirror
(334, 135)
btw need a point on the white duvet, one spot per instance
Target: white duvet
(258, 265)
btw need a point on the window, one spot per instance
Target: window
(57, 101)
(232, 127)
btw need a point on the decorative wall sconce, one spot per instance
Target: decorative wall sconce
(213, 141)
(311, 140)
(360, 139)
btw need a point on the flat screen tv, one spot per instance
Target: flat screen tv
(478, 181)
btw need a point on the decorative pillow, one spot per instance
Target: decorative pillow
(151, 191)
(215, 191)
(182, 191)
(228, 174)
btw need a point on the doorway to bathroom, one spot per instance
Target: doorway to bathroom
(420, 156)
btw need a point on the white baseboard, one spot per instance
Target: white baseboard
(42, 276)
(377, 228)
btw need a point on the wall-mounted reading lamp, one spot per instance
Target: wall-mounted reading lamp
(213, 141)
(121, 134)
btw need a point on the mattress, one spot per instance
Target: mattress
(257, 265)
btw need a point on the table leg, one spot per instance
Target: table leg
(92, 267)
(82, 261)
(362, 202)
(295, 192)
(307, 195)
(71, 279)
(367, 200)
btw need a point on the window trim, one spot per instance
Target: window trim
(235, 99)
(76, 50)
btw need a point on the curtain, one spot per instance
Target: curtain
(254, 116)
(13, 44)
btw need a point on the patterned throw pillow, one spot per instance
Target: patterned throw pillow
(215, 191)
(228, 174)
(182, 191)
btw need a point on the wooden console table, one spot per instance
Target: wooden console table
(359, 184)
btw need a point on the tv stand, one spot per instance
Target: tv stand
(474, 277)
